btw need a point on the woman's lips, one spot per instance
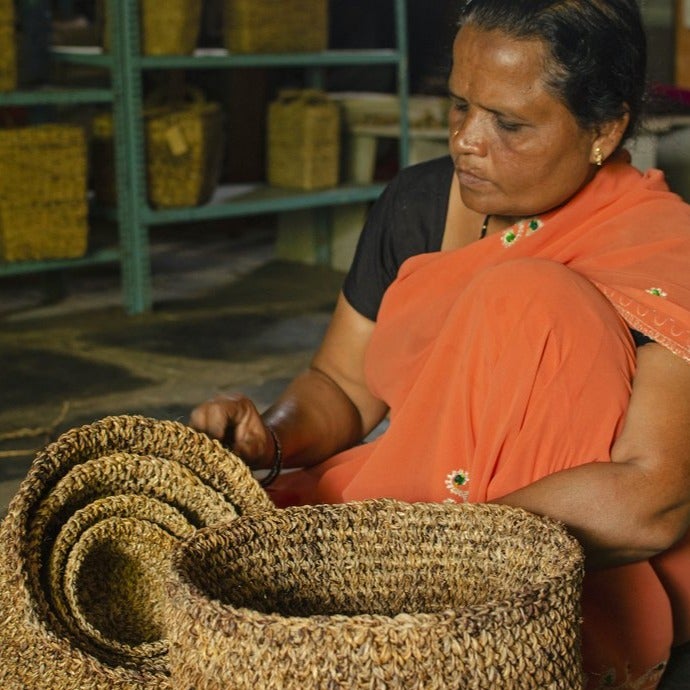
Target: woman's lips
(468, 179)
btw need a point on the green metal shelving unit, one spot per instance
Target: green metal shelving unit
(133, 214)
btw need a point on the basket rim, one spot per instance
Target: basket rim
(571, 560)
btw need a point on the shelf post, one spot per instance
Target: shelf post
(129, 144)
(403, 80)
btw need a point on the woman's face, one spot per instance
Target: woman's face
(518, 150)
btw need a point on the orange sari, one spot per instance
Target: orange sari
(510, 359)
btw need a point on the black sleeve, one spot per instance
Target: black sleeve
(640, 338)
(407, 219)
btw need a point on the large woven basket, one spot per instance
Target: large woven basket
(8, 47)
(167, 28)
(303, 140)
(43, 192)
(378, 594)
(275, 26)
(184, 153)
(85, 545)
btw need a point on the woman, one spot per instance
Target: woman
(521, 311)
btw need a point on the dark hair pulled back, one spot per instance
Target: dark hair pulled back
(598, 51)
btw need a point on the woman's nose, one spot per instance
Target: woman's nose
(466, 137)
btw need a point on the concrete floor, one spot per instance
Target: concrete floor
(227, 316)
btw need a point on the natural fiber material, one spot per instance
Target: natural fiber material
(267, 26)
(184, 149)
(167, 28)
(303, 140)
(377, 594)
(8, 47)
(43, 188)
(85, 546)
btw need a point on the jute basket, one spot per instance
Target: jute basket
(167, 28)
(184, 153)
(85, 548)
(8, 47)
(275, 26)
(43, 192)
(43, 231)
(377, 594)
(303, 140)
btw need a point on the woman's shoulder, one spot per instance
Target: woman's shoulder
(428, 172)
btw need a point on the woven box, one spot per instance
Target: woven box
(303, 140)
(184, 149)
(377, 594)
(84, 550)
(167, 28)
(275, 26)
(43, 188)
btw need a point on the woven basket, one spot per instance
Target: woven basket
(8, 48)
(43, 190)
(167, 28)
(275, 26)
(43, 231)
(377, 594)
(184, 153)
(303, 140)
(84, 550)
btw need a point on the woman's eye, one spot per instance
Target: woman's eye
(508, 126)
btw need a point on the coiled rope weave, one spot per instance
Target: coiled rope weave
(85, 548)
(377, 595)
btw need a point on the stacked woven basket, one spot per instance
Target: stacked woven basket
(8, 47)
(43, 191)
(140, 554)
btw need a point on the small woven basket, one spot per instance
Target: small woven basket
(303, 140)
(378, 594)
(167, 28)
(85, 548)
(275, 26)
(43, 191)
(184, 153)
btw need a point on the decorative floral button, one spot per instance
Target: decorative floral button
(657, 292)
(456, 482)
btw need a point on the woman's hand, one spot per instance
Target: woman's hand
(235, 422)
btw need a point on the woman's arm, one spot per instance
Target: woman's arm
(324, 410)
(638, 505)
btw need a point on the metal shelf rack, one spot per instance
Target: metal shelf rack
(133, 214)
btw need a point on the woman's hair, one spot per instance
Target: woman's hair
(598, 51)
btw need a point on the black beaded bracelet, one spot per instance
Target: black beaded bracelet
(277, 461)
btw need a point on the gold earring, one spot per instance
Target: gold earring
(598, 157)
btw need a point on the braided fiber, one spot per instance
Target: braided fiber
(85, 548)
(377, 595)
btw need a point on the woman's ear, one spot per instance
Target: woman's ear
(608, 138)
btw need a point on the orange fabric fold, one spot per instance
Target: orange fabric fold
(510, 359)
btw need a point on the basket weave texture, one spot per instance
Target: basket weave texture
(377, 594)
(43, 191)
(8, 47)
(85, 548)
(303, 140)
(167, 28)
(270, 26)
(184, 153)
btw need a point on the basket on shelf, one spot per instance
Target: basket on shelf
(184, 152)
(303, 140)
(43, 190)
(84, 550)
(167, 28)
(267, 26)
(8, 47)
(377, 594)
